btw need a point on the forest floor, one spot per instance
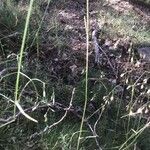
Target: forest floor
(121, 22)
(118, 111)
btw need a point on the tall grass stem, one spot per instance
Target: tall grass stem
(86, 75)
(21, 53)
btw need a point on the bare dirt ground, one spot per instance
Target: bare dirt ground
(121, 21)
(71, 17)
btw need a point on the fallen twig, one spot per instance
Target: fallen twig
(99, 50)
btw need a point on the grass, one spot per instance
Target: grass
(20, 59)
(86, 72)
(125, 25)
(37, 78)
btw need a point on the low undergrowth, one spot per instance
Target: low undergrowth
(52, 83)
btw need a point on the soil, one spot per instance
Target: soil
(68, 63)
(71, 18)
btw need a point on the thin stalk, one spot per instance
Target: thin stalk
(130, 107)
(21, 53)
(86, 75)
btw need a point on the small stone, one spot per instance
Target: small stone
(144, 53)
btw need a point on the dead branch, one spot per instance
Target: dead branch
(99, 51)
